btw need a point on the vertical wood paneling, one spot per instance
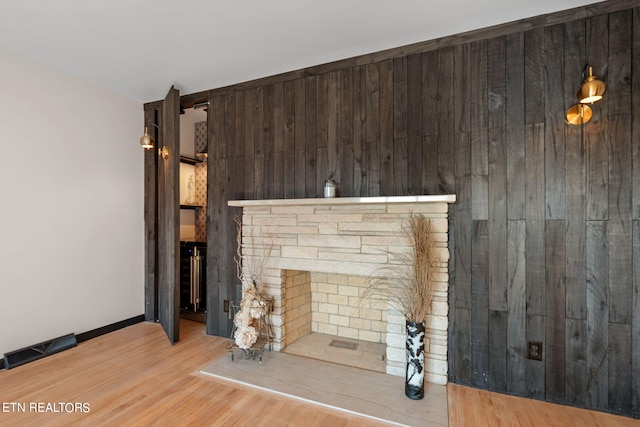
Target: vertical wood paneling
(463, 372)
(620, 169)
(620, 229)
(515, 112)
(360, 177)
(479, 136)
(169, 217)
(576, 367)
(619, 49)
(372, 128)
(414, 125)
(432, 95)
(535, 369)
(267, 143)
(517, 314)
(497, 374)
(300, 138)
(401, 152)
(535, 211)
(150, 224)
(619, 357)
(387, 147)
(543, 241)
(462, 84)
(554, 108)
(322, 129)
(480, 311)
(497, 179)
(400, 98)
(259, 144)
(635, 118)
(555, 305)
(535, 250)
(310, 137)
(345, 133)
(597, 315)
(462, 217)
(635, 325)
(534, 58)
(289, 139)
(576, 305)
(333, 155)
(445, 111)
(238, 183)
(229, 106)
(497, 219)
(463, 233)
(216, 212)
(596, 142)
(249, 144)
(277, 192)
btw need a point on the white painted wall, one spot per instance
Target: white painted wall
(71, 218)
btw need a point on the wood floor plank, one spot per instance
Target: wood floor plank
(473, 407)
(134, 377)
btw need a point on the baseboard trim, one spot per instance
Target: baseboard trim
(94, 333)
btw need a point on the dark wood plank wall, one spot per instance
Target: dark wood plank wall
(547, 223)
(151, 222)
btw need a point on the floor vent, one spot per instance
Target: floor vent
(343, 344)
(38, 351)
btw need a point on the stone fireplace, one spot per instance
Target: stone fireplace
(316, 255)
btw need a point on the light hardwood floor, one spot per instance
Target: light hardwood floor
(134, 377)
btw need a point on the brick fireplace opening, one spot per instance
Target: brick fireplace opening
(328, 303)
(316, 256)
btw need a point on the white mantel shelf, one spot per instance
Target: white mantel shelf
(444, 198)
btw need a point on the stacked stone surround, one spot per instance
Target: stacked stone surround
(315, 257)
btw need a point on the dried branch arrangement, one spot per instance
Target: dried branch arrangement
(249, 269)
(408, 284)
(253, 305)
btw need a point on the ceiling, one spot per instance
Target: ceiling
(139, 48)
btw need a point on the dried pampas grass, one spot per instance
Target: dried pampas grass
(408, 283)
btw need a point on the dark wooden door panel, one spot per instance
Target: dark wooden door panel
(169, 216)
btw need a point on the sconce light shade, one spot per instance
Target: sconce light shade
(147, 141)
(592, 89)
(578, 114)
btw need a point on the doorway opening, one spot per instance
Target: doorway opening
(193, 212)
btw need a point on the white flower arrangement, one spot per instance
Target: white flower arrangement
(258, 309)
(245, 336)
(253, 306)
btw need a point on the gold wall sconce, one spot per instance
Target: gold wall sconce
(147, 142)
(591, 90)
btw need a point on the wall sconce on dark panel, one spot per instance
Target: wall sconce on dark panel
(147, 142)
(591, 90)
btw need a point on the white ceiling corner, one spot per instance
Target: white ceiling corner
(139, 48)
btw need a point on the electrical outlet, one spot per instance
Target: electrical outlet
(535, 350)
(226, 306)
